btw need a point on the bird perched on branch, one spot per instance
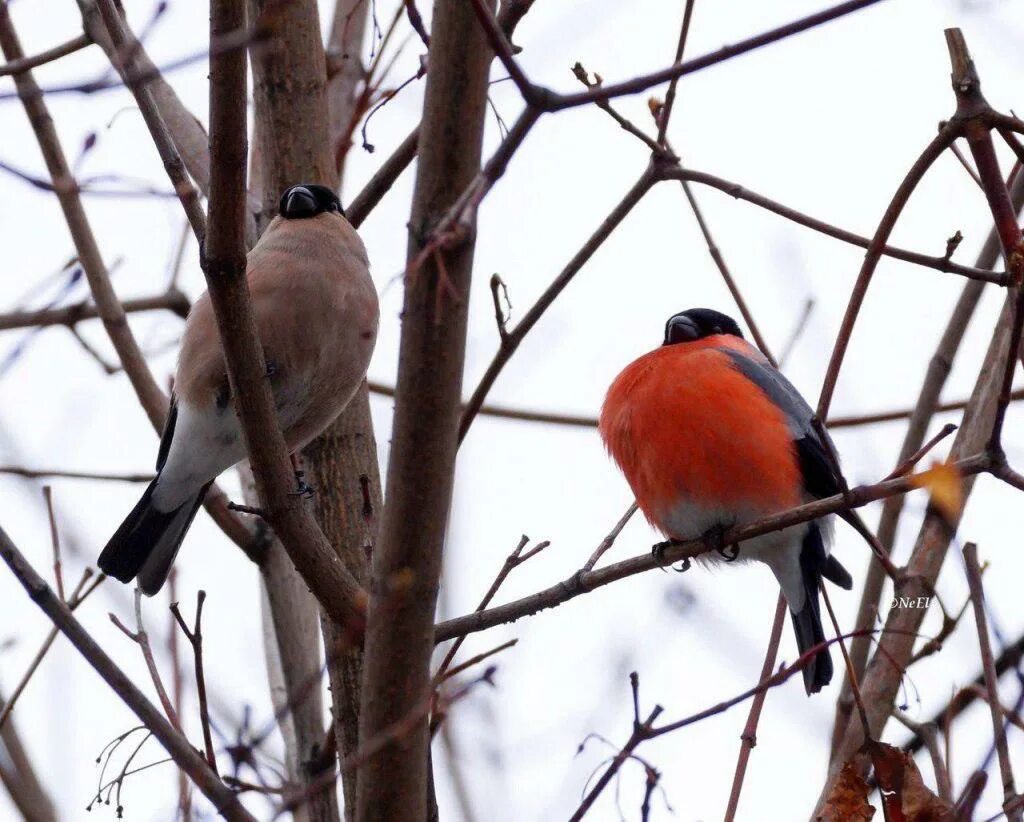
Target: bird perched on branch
(316, 310)
(710, 436)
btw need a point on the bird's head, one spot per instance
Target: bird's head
(697, 323)
(308, 200)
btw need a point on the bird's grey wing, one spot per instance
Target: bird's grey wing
(821, 474)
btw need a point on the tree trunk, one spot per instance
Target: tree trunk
(393, 784)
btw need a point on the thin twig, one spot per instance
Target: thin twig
(223, 799)
(195, 638)
(23, 64)
(141, 638)
(670, 95)
(911, 462)
(476, 660)
(970, 553)
(936, 147)
(44, 473)
(748, 739)
(928, 732)
(58, 573)
(639, 734)
(78, 596)
(512, 561)
(609, 540)
(162, 139)
(174, 301)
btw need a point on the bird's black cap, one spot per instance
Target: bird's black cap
(308, 200)
(697, 323)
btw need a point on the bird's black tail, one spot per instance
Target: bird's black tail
(148, 540)
(816, 564)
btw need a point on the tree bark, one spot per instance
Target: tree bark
(291, 135)
(407, 560)
(342, 462)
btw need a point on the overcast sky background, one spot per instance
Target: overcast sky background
(827, 122)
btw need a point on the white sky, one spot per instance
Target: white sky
(827, 122)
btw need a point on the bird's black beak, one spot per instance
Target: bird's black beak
(298, 203)
(681, 329)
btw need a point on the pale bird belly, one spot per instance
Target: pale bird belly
(689, 520)
(206, 441)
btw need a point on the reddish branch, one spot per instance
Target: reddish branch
(141, 638)
(943, 140)
(884, 673)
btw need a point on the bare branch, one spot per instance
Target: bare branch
(223, 799)
(24, 64)
(151, 397)
(174, 301)
(748, 739)
(78, 596)
(43, 473)
(988, 666)
(586, 581)
(187, 193)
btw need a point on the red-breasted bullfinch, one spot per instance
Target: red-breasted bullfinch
(316, 312)
(710, 436)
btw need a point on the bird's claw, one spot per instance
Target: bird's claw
(302, 488)
(658, 552)
(714, 538)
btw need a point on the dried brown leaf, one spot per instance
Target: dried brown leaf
(899, 778)
(848, 801)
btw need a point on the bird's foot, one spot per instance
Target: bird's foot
(658, 552)
(714, 538)
(302, 488)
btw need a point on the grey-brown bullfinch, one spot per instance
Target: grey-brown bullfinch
(710, 436)
(316, 311)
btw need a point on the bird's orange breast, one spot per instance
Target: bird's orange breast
(686, 426)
